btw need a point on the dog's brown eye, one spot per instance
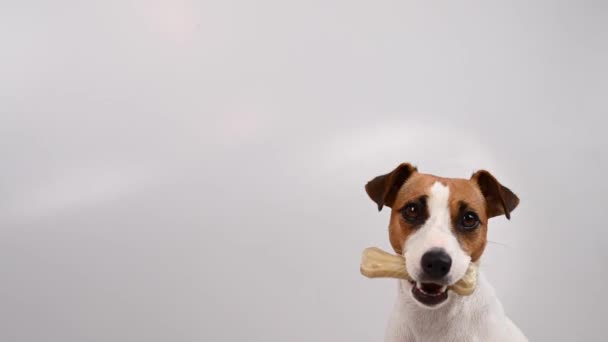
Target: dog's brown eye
(469, 220)
(411, 212)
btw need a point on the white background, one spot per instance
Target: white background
(194, 171)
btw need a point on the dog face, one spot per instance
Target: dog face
(439, 224)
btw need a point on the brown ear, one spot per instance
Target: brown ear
(499, 199)
(383, 189)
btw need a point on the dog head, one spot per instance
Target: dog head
(439, 224)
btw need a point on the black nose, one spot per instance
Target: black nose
(436, 263)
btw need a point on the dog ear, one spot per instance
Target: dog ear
(383, 189)
(499, 199)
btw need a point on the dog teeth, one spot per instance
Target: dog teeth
(419, 287)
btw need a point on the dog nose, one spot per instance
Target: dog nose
(436, 263)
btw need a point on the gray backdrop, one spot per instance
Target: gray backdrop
(194, 170)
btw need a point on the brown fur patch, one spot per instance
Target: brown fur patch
(464, 191)
(399, 229)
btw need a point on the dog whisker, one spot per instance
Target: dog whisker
(499, 243)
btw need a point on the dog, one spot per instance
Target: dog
(440, 226)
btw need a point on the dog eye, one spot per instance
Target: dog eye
(411, 212)
(469, 220)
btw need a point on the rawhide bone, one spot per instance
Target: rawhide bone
(376, 263)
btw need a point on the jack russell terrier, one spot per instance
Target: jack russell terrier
(440, 226)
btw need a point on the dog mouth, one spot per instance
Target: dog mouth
(429, 294)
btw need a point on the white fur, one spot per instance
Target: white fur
(475, 318)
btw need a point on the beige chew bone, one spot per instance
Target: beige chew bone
(377, 263)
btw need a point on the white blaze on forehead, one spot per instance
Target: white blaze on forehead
(438, 207)
(436, 232)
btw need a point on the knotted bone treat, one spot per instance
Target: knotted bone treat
(376, 263)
